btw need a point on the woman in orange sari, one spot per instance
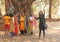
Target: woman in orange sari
(22, 24)
(6, 19)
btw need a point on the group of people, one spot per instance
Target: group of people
(23, 23)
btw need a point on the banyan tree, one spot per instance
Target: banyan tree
(21, 6)
(52, 7)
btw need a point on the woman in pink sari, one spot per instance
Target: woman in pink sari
(34, 23)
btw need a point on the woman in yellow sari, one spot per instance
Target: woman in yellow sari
(22, 24)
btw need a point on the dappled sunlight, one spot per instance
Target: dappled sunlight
(52, 32)
(52, 35)
(40, 6)
(44, 5)
(2, 7)
(2, 32)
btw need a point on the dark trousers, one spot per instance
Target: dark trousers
(22, 31)
(40, 30)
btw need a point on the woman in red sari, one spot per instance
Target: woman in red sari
(16, 25)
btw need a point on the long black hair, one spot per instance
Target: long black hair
(11, 15)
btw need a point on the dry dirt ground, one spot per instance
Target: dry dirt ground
(52, 35)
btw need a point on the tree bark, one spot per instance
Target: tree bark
(50, 6)
(21, 6)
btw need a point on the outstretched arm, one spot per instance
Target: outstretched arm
(36, 18)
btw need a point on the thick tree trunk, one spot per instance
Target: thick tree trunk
(50, 6)
(21, 6)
